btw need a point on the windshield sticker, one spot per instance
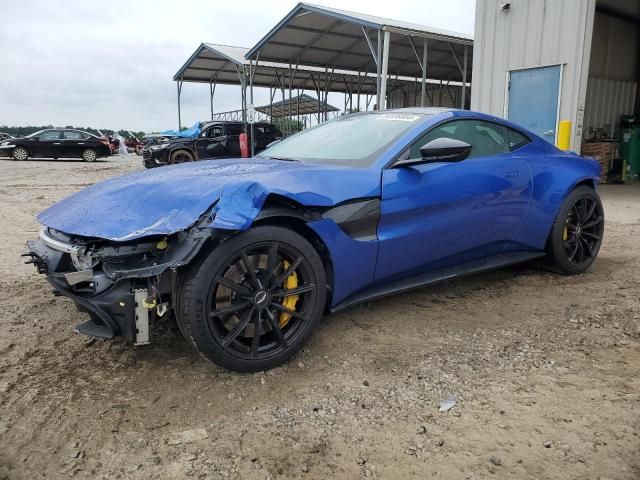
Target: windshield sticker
(398, 117)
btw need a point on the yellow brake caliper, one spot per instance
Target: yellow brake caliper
(565, 234)
(289, 302)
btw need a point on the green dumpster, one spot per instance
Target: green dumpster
(630, 149)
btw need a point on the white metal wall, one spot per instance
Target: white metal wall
(606, 101)
(532, 33)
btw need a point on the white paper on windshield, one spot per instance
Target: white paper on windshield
(397, 117)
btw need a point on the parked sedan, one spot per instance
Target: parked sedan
(250, 253)
(56, 143)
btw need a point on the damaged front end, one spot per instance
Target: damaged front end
(123, 286)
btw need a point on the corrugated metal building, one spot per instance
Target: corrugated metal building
(539, 62)
(437, 95)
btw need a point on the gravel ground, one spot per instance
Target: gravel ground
(544, 369)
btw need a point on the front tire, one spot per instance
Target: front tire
(89, 155)
(181, 156)
(577, 233)
(20, 153)
(254, 301)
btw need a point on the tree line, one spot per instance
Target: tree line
(22, 131)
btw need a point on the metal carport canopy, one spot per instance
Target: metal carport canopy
(324, 36)
(216, 64)
(333, 38)
(298, 105)
(225, 64)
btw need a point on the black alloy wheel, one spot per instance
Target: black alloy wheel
(577, 233)
(255, 300)
(583, 230)
(251, 311)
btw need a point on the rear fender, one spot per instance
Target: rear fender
(553, 179)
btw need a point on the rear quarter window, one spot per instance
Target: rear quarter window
(516, 139)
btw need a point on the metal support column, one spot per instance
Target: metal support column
(289, 122)
(298, 107)
(283, 125)
(327, 85)
(242, 76)
(384, 72)
(179, 84)
(359, 88)
(464, 79)
(212, 91)
(251, 71)
(379, 71)
(424, 73)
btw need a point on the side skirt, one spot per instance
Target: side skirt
(437, 276)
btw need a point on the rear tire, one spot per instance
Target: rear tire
(89, 155)
(20, 153)
(181, 156)
(576, 235)
(246, 285)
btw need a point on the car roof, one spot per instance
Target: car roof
(424, 110)
(64, 130)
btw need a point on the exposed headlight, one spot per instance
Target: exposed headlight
(4, 143)
(84, 262)
(159, 147)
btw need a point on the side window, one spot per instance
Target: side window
(71, 135)
(235, 129)
(212, 132)
(516, 139)
(50, 135)
(486, 138)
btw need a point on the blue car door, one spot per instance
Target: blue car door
(439, 214)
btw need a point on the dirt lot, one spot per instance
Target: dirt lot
(545, 369)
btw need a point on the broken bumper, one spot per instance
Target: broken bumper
(122, 286)
(115, 308)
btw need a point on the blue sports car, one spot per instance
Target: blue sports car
(250, 253)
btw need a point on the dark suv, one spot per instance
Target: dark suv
(215, 140)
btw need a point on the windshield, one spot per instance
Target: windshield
(354, 140)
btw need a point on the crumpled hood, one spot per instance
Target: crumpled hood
(166, 200)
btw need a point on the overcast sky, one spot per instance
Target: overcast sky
(111, 64)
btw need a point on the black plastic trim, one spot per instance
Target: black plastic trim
(437, 276)
(358, 219)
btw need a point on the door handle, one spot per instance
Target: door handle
(512, 174)
(56, 143)
(80, 143)
(548, 132)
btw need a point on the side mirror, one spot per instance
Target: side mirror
(439, 150)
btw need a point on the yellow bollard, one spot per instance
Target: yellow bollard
(564, 135)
